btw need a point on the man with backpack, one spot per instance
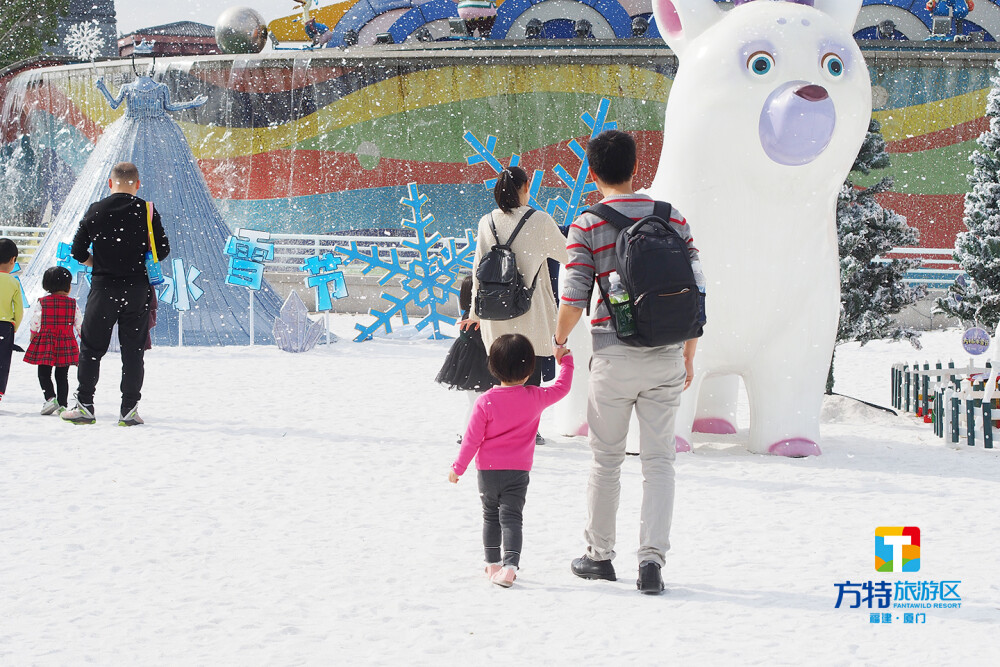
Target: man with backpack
(632, 365)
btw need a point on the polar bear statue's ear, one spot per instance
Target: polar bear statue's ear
(844, 12)
(681, 21)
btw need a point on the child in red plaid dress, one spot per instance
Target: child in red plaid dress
(54, 328)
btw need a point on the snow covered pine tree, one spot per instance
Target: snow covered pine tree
(977, 251)
(871, 292)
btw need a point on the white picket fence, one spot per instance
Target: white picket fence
(290, 250)
(957, 401)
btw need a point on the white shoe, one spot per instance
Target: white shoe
(78, 415)
(505, 577)
(132, 418)
(51, 407)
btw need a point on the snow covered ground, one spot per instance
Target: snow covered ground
(293, 509)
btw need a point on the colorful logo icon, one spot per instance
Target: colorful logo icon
(897, 549)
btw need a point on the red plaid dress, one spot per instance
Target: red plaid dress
(54, 344)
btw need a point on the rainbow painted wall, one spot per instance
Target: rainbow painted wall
(313, 144)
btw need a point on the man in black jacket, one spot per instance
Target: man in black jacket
(113, 238)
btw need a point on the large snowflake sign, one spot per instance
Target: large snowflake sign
(427, 281)
(566, 209)
(485, 153)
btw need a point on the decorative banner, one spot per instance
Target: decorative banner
(65, 259)
(247, 254)
(976, 341)
(180, 289)
(427, 281)
(24, 297)
(328, 281)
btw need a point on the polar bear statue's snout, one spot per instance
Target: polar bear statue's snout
(797, 123)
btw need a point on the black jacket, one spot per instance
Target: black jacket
(116, 229)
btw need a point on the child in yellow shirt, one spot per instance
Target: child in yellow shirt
(11, 309)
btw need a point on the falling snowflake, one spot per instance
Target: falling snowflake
(84, 41)
(428, 281)
(578, 185)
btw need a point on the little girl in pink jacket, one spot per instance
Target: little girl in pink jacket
(501, 437)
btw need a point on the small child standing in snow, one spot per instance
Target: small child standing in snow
(54, 328)
(501, 435)
(11, 308)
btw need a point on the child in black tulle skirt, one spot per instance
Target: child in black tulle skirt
(466, 367)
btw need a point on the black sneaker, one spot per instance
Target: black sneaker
(585, 568)
(650, 582)
(539, 440)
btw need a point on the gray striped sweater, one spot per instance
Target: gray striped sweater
(591, 248)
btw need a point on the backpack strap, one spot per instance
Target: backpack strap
(662, 210)
(621, 222)
(611, 215)
(517, 230)
(493, 228)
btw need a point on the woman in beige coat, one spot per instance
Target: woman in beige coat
(538, 240)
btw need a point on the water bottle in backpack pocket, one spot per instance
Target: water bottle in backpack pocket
(654, 269)
(153, 270)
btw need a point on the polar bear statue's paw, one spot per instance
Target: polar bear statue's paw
(795, 448)
(715, 425)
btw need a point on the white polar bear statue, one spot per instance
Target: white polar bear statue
(767, 113)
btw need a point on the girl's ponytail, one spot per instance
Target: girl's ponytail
(510, 181)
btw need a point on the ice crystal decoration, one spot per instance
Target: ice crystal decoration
(84, 41)
(294, 330)
(566, 209)
(427, 281)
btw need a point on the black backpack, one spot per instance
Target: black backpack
(655, 269)
(502, 294)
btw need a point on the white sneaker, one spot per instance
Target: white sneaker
(132, 418)
(78, 415)
(51, 407)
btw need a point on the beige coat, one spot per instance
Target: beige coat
(538, 240)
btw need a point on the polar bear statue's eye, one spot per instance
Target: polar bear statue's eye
(760, 63)
(833, 65)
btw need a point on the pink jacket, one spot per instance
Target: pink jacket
(501, 432)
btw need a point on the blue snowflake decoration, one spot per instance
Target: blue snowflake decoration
(486, 153)
(65, 259)
(578, 185)
(427, 281)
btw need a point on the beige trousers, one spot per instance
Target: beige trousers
(650, 380)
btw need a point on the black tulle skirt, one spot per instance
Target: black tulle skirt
(466, 367)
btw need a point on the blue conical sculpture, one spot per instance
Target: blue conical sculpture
(171, 179)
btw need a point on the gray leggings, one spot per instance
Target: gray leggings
(502, 493)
